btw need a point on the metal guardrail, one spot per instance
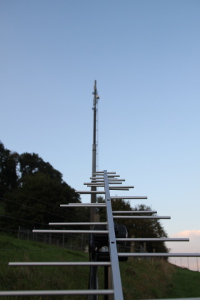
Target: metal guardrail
(112, 282)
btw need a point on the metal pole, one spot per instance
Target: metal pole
(94, 130)
(115, 271)
(56, 293)
(93, 211)
(94, 215)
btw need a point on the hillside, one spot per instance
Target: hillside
(142, 279)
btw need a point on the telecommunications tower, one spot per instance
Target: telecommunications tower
(94, 213)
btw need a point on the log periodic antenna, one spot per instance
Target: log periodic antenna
(104, 234)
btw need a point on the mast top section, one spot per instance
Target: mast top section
(95, 93)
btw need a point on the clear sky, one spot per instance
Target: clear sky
(145, 56)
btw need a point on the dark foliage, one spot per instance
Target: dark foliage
(8, 170)
(32, 191)
(31, 163)
(139, 228)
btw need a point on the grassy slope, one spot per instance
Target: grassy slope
(186, 283)
(158, 279)
(39, 278)
(141, 278)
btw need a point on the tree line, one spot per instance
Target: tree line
(139, 228)
(31, 192)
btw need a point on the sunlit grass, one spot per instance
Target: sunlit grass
(141, 279)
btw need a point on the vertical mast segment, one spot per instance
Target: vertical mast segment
(94, 148)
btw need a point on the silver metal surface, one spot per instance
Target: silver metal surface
(114, 180)
(95, 183)
(99, 176)
(102, 173)
(128, 197)
(134, 212)
(84, 205)
(101, 179)
(152, 239)
(85, 263)
(159, 254)
(57, 293)
(121, 187)
(78, 223)
(90, 192)
(116, 277)
(99, 184)
(141, 217)
(69, 231)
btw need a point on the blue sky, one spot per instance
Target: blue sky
(145, 58)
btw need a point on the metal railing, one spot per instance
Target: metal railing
(101, 234)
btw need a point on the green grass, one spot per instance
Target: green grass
(40, 278)
(185, 283)
(141, 279)
(144, 279)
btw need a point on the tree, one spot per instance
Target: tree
(8, 170)
(31, 163)
(139, 228)
(32, 191)
(37, 202)
(148, 228)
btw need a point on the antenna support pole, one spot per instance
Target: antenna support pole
(94, 216)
